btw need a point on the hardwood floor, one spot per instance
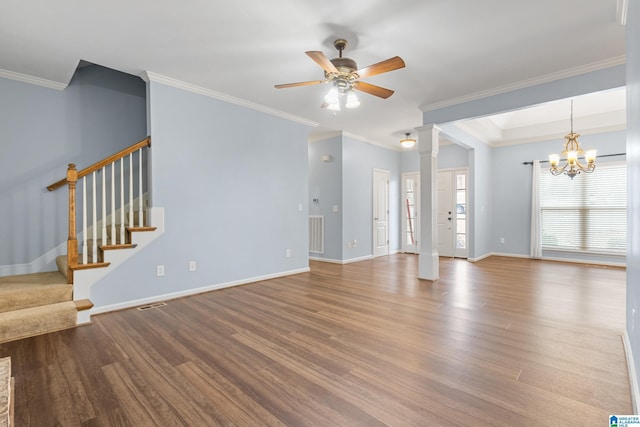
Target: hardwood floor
(500, 342)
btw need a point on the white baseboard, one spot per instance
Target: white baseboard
(631, 370)
(546, 258)
(342, 261)
(332, 261)
(189, 292)
(583, 261)
(362, 258)
(509, 255)
(480, 258)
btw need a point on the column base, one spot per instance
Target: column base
(429, 266)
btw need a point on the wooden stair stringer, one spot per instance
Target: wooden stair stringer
(140, 237)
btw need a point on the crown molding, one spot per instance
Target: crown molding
(547, 78)
(373, 142)
(25, 78)
(322, 136)
(621, 11)
(149, 76)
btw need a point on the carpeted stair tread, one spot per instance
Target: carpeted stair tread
(34, 321)
(31, 290)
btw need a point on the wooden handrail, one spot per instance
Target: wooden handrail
(102, 163)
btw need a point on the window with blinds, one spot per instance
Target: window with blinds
(586, 214)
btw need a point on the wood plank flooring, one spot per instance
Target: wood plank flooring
(500, 342)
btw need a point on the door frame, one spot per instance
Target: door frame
(459, 253)
(416, 213)
(374, 227)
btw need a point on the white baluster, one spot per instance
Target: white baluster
(104, 206)
(131, 223)
(122, 201)
(94, 224)
(84, 220)
(140, 218)
(113, 203)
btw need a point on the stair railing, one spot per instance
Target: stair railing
(114, 203)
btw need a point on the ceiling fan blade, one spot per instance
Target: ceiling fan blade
(373, 89)
(322, 61)
(309, 83)
(382, 67)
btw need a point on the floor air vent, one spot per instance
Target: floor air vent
(316, 234)
(150, 306)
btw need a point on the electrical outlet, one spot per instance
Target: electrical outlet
(192, 266)
(502, 240)
(159, 270)
(287, 253)
(355, 243)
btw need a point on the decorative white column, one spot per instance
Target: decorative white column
(428, 264)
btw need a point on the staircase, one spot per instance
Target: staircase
(112, 217)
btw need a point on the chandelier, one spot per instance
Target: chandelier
(571, 154)
(407, 142)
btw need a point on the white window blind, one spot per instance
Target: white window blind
(586, 214)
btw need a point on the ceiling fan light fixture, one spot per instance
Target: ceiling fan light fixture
(344, 76)
(333, 96)
(407, 142)
(352, 100)
(333, 106)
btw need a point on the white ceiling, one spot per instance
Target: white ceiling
(453, 49)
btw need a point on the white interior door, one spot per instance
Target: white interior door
(410, 208)
(380, 212)
(445, 213)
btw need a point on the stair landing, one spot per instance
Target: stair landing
(34, 304)
(32, 290)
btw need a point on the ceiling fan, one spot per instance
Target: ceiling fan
(344, 75)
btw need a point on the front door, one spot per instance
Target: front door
(380, 212)
(445, 213)
(452, 213)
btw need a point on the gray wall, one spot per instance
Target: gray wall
(325, 184)
(633, 178)
(347, 182)
(41, 131)
(359, 161)
(230, 180)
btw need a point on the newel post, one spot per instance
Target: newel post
(72, 241)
